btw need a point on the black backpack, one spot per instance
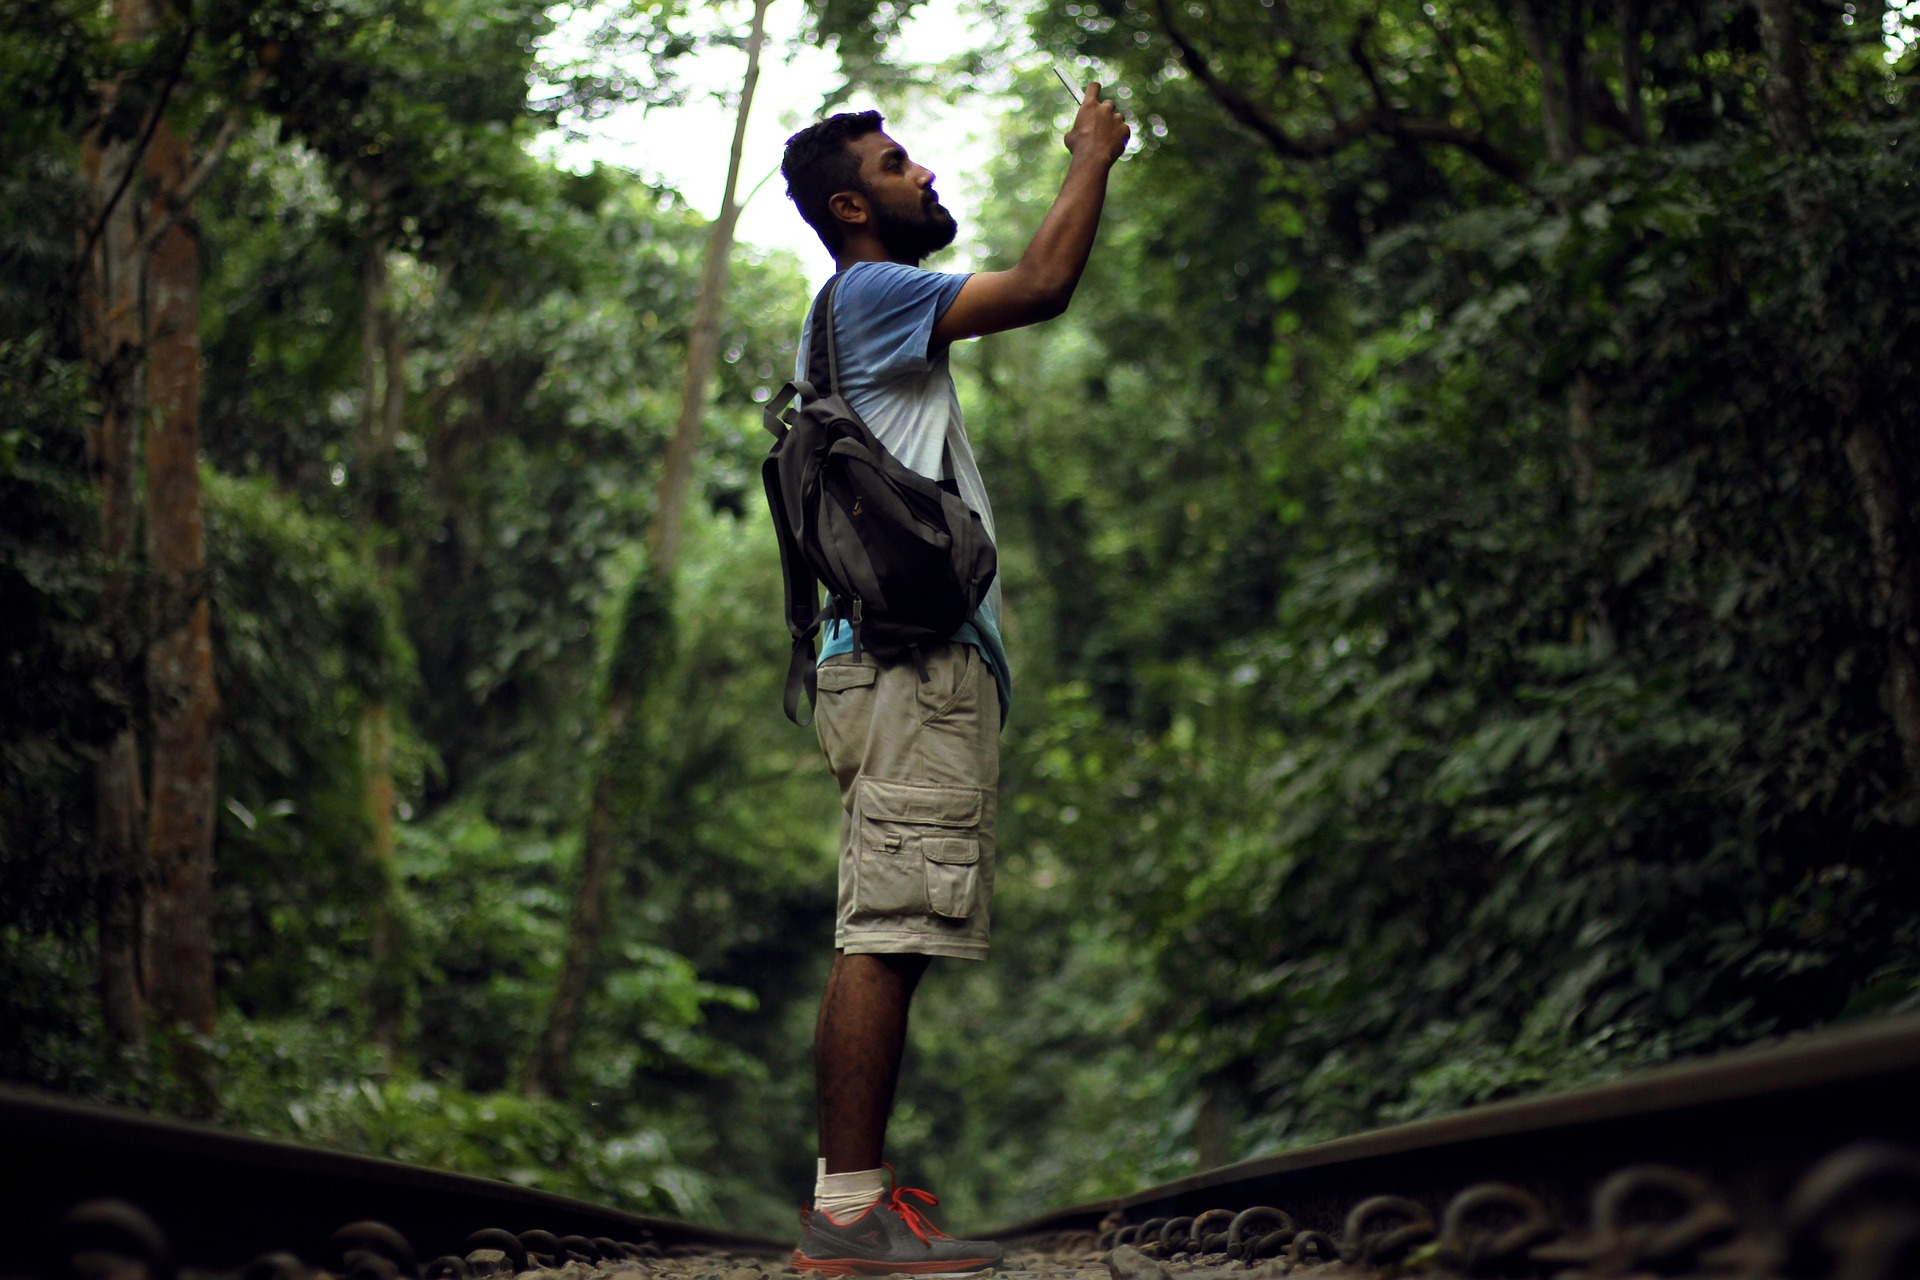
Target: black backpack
(905, 561)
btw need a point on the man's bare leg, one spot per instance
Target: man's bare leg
(857, 1047)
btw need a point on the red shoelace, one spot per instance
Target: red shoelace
(915, 1220)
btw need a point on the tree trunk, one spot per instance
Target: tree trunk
(551, 1065)
(383, 398)
(1632, 21)
(1561, 76)
(1580, 447)
(663, 543)
(1573, 74)
(180, 658)
(1594, 625)
(114, 346)
(119, 807)
(1897, 575)
(1786, 75)
(1555, 43)
(1213, 1127)
(1863, 438)
(386, 987)
(643, 649)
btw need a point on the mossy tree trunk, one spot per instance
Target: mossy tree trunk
(645, 630)
(116, 348)
(383, 358)
(1886, 509)
(183, 701)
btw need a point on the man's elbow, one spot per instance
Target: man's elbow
(1054, 304)
(1049, 299)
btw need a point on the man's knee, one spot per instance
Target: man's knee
(910, 967)
(903, 967)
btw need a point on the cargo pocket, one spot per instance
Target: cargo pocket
(919, 849)
(834, 677)
(951, 866)
(840, 715)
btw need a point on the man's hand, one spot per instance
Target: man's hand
(1098, 131)
(1042, 283)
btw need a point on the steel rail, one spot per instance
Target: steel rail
(224, 1198)
(1753, 1120)
(1751, 1123)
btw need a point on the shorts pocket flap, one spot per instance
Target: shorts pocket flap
(845, 675)
(956, 850)
(916, 803)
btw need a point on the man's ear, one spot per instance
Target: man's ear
(849, 207)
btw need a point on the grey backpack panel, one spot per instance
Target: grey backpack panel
(903, 558)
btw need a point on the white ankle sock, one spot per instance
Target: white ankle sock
(845, 1196)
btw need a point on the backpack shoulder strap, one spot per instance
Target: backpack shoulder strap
(803, 597)
(802, 586)
(823, 352)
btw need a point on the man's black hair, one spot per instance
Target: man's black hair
(819, 165)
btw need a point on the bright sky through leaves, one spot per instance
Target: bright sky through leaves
(1901, 22)
(686, 146)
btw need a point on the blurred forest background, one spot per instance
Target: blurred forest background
(1461, 550)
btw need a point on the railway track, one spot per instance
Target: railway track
(1800, 1162)
(223, 1199)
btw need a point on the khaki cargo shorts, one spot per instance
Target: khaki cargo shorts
(918, 762)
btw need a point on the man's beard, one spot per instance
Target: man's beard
(911, 237)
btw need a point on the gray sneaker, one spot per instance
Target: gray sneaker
(890, 1237)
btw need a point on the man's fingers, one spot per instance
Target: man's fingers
(1096, 123)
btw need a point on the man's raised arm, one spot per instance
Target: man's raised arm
(1039, 286)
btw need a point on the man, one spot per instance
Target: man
(916, 752)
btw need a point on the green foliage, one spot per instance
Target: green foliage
(50, 1033)
(55, 663)
(303, 635)
(61, 690)
(302, 1080)
(731, 846)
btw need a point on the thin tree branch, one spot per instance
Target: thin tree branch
(1445, 42)
(1573, 74)
(182, 196)
(1294, 59)
(1248, 113)
(1604, 111)
(1323, 91)
(174, 75)
(463, 363)
(1629, 20)
(1787, 75)
(663, 539)
(1380, 119)
(1474, 143)
(1357, 50)
(1555, 114)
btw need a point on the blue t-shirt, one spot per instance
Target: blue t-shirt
(902, 388)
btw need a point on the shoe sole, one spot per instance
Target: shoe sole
(874, 1267)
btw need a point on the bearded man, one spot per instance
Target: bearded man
(916, 751)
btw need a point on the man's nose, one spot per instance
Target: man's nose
(926, 176)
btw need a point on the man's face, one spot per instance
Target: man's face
(907, 214)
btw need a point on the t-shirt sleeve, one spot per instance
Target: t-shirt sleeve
(887, 314)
